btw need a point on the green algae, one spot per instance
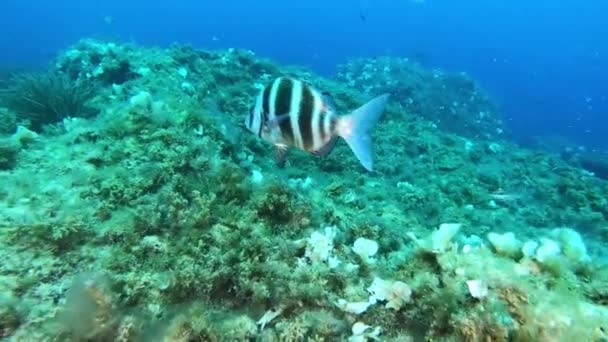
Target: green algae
(147, 220)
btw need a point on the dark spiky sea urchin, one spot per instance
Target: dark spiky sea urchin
(46, 98)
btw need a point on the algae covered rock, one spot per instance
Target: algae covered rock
(9, 315)
(452, 101)
(8, 121)
(8, 154)
(198, 234)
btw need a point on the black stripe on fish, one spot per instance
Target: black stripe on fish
(307, 103)
(282, 107)
(264, 117)
(322, 134)
(266, 99)
(251, 116)
(333, 121)
(272, 99)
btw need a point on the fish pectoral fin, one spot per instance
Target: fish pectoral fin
(280, 155)
(274, 123)
(326, 149)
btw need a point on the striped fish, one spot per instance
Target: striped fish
(290, 113)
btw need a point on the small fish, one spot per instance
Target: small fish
(505, 197)
(290, 113)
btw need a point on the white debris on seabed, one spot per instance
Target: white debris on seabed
(395, 293)
(440, 240)
(269, 316)
(362, 333)
(477, 288)
(319, 247)
(356, 308)
(256, 177)
(366, 249)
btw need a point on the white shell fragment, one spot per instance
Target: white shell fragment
(257, 177)
(23, 135)
(441, 238)
(361, 333)
(319, 246)
(529, 248)
(356, 308)
(506, 244)
(548, 251)
(359, 328)
(395, 293)
(366, 249)
(477, 288)
(269, 316)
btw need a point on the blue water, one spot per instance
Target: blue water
(545, 62)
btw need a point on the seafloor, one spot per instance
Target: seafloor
(134, 207)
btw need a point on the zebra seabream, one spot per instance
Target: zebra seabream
(290, 113)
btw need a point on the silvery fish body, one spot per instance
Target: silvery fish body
(291, 113)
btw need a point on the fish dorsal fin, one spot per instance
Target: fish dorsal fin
(326, 149)
(328, 100)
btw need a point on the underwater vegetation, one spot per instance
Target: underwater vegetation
(46, 98)
(158, 217)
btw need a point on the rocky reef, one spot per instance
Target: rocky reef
(160, 218)
(453, 102)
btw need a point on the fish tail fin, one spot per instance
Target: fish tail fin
(355, 129)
